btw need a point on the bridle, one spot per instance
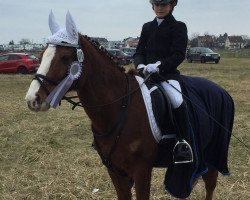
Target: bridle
(41, 78)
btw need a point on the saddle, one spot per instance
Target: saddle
(162, 110)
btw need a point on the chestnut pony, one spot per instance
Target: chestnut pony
(113, 101)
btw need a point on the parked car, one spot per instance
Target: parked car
(119, 56)
(18, 63)
(202, 54)
(128, 50)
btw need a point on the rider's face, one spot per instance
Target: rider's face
(162, 10)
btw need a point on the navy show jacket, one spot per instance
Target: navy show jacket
(166, 43)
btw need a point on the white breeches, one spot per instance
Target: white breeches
(174, 95)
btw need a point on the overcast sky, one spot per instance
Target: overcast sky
(118, 19)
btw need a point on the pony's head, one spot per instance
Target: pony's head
(60, 66)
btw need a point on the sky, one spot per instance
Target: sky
(118, 19)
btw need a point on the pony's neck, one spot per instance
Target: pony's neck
(104, 79)
(101, 83)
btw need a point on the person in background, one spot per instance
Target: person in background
(161, 49)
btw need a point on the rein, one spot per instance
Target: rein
(40, 78)
(119, 98)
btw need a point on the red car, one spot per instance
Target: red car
(18, 63)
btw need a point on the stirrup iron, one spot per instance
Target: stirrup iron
(182, 152)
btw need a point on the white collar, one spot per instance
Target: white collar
(159, 20)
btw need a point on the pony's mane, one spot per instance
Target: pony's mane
(102, 50)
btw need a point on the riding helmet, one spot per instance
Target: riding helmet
(164, 1)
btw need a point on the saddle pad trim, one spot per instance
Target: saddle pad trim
(148, 104)
(152, 89)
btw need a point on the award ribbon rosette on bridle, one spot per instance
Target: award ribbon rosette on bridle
(60, 90)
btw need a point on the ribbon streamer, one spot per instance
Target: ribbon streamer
(60, 90)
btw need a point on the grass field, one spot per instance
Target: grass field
(234, 53)
(49, 155)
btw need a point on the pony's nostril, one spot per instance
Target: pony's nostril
(38, 99)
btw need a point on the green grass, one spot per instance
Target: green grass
(234, 53)
(49, 155)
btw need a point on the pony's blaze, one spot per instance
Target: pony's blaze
(32, 97)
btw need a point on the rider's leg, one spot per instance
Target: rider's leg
(173, 90)
(180, 113)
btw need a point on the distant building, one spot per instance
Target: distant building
(115, 44)
(21, 47)
(205, 41)
(234, 42)
(101, 41)
(131, 42)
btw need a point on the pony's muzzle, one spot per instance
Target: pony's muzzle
(36, 104)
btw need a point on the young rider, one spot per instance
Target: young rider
(161, 49)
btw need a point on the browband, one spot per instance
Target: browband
(63, 44)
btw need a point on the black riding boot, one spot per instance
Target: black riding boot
(179, 176)
(182, 152)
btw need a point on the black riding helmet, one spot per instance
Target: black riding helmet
(173, 2)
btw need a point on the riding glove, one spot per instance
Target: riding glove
(141, 66)
(152, 68)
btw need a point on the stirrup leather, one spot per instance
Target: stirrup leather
(182, 152)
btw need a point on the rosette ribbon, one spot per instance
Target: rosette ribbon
(60, 90)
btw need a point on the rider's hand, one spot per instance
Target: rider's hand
(141, 66)
(140, 69)
(152, 68)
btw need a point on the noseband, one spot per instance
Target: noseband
(40, 78)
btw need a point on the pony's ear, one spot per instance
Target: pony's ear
(54, 27)
(71, 27)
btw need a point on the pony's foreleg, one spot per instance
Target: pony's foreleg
(122, 185)
(142, 178)
(210, 179)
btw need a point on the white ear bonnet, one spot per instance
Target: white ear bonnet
(68, 34)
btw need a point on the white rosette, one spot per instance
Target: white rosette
(75, 70)
(60, 90)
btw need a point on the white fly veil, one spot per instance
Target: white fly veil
(69, 34)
